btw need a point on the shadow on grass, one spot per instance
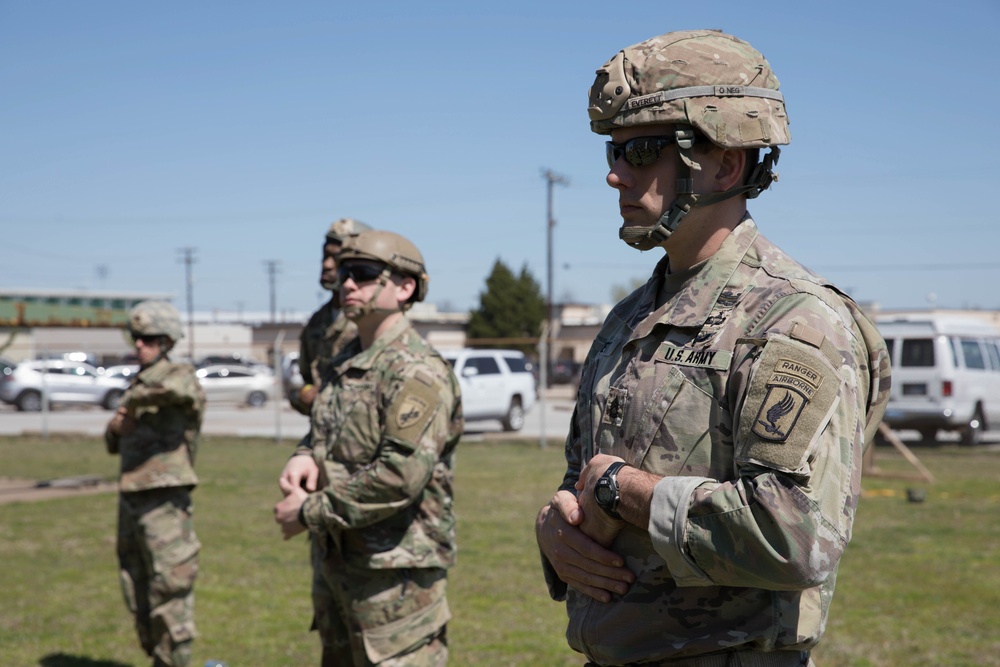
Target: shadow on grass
(63, 660)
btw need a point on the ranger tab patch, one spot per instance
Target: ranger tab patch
(790, 387)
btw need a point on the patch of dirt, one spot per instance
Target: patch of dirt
(29, 490)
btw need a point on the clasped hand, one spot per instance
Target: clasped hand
(573, 533)
(297, 480)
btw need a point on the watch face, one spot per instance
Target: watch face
(603, 493)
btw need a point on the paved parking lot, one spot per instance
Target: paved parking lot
(550, 415)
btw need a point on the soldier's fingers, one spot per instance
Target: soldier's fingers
(568, 507)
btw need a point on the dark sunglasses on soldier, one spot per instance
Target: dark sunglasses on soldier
(145, 340)
(638, 152)
(359, 273)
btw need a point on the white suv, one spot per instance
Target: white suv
(496, 384)
(62, 382)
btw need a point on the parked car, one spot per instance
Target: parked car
(565, 371)
(945, 375)
(234, 359)
(496, 384)
(126, 371)
(6, 367)
(241, 384)
(60, 381)
(291, 375)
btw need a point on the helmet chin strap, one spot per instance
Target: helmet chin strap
(356, 313)
(647, 238)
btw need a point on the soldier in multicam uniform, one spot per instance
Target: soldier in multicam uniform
(378, 461)
(155, 431)
(327, 332)
(714, 456)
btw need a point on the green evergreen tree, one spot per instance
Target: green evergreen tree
(509, 308)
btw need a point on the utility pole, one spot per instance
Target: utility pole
(545, 346)
(551, 179)
(188, 260)
(272, 271)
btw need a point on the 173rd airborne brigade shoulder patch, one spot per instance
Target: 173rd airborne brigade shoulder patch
(787, 404)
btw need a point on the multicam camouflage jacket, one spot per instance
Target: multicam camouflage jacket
(325, 335)
(384, 430)
(158, 448)
(752, 389)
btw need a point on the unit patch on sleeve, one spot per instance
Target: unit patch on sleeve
(410, 411)
(790, 395)
(789, 389)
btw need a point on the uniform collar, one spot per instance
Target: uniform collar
(693, 304)
(155, 372)
(366, 358)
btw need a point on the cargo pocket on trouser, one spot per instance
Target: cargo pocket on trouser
(398, 610)
(173, 548)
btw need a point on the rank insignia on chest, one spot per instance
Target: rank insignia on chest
(410, 411)
(614, 410)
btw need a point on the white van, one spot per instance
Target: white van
(945, 374)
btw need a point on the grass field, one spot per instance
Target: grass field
(919, 585)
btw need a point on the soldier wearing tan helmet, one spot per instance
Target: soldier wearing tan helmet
(155, 431)
(372, 482)
(714, 461)
(327, 331)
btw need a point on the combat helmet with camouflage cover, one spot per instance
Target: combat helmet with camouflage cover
(155, 318)
(341, 229)
(697, 80)
(397, 253)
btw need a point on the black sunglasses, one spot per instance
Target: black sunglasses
(146, 340)
(638, 152)
(359, 273)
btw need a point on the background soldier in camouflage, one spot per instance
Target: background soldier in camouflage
(155, 431)
(714, 456)
(373, 480)
(327, 331)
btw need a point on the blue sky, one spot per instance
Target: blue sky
(242, 129)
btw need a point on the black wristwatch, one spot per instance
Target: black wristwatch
(606, 491)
